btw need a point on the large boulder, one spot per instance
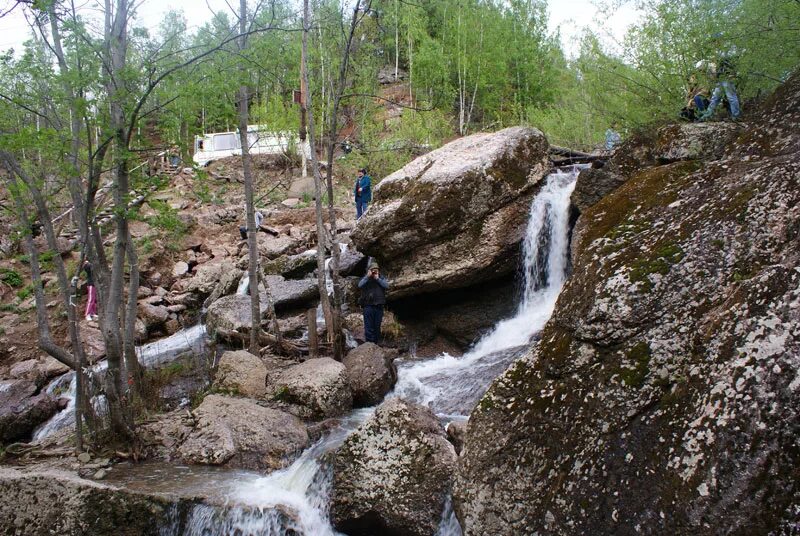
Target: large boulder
(237, 432)
(393, 474)
(242, 373)
(455, 216)
(318, 386)
(21, 410)
(371, 373)
(229, 317)
(663, 397)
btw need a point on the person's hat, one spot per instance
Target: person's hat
(373, 265)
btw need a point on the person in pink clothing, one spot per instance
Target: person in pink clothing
(91, 302)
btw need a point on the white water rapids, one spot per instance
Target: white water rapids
(295, 500)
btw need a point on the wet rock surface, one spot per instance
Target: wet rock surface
(371, 373)
(663, 396)
(238, 433)
(472, 194)
(319, 386)
(22, 410)
(56, 502)
(392, 475)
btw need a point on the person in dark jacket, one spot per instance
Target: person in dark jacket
(373, 298)
(363, 192)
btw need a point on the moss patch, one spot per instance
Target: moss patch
(638, 357)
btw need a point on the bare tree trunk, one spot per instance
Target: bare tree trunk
(252, 231)
(335, 328)
(321, 241)
(120, 417)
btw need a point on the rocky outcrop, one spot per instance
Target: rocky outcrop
(392, 475)
(669, 144)
(237, 432)
(21, 410)
(229, 316)
(242, 373)
(57, 502)
(663, 397)
(370, 373)
(471, 195)
(318, 386)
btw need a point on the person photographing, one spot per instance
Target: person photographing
(373, 299)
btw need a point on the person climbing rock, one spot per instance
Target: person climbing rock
(91, 292)
(243, 228)
(722, 73)
(613, 137)
(363, 192)
(373, 298)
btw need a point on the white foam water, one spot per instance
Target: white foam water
(451, 386)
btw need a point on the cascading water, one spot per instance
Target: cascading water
(295, 500)
(545, 253)
(151, 355)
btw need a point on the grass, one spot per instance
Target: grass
(25, 292)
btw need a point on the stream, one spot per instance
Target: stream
(294, 500)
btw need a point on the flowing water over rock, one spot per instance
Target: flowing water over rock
(152, 355)
(295, 500)
(546, 251)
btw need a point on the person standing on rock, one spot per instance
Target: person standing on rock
(91, 301)
(243, 228)
(373, 298)
(363, 192)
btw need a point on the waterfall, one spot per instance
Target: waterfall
(544, 266)
(151, 355)
(295, 500)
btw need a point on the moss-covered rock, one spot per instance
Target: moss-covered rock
(663, 396)
(455, 216)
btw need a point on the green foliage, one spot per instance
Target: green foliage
(25, 292)
(168, 222)
(10, 277)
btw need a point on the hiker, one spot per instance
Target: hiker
(363, 192)
(613, 137)
(91, 301)
(696, 100)
(243, 228)
(722, 74)
(373, 298)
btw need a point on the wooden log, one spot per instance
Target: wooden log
(313, 339)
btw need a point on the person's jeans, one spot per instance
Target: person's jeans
(716, 98)
(361, 207)
(373, 316)
(700, 103)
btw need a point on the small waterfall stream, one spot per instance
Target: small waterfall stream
(151, 355)
(295, 500)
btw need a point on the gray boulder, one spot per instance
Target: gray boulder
(471, 195)
(237, 432)
(393, 474)
(371, 373)
(243, 373)
(663, 397)
(318, 386)
(21, 411)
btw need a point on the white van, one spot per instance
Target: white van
(214, 146)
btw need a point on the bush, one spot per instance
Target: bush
(10, 277)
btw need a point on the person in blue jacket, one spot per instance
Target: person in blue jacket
(373, 298)
(363, 192)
